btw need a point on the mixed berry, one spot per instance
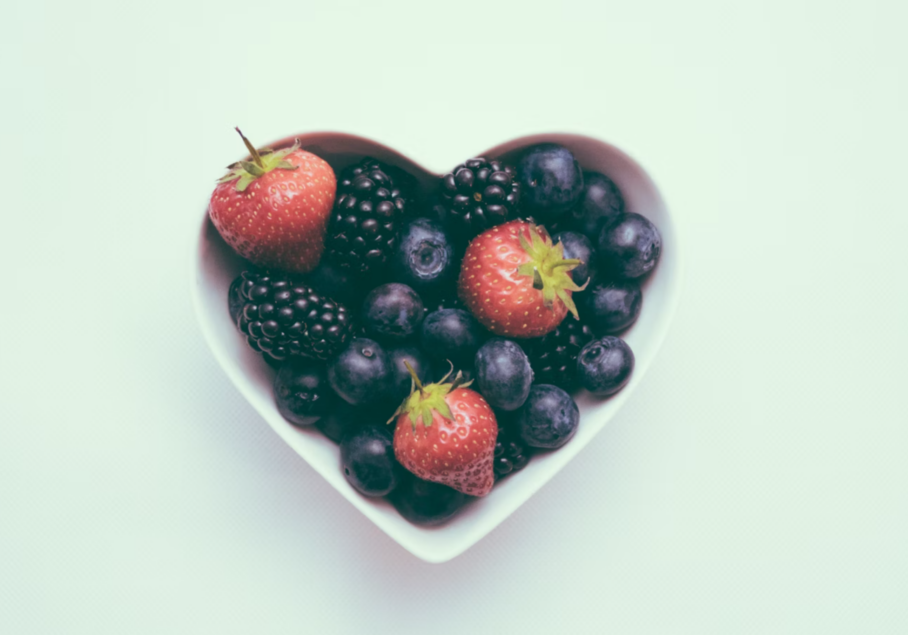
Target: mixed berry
(436, 340)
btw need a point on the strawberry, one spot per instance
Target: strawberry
(446, 433)
(274, 209)
(516, 282)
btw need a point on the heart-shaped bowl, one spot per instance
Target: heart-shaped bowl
(215, 265)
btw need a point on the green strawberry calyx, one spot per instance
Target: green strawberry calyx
(263, 161)
(549, 269)
(424, 400)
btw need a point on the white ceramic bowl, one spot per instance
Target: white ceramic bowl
(214, 266)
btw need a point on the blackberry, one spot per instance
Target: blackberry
(511, 454)
(365, 222)
(554, 355)
(479, 194)
(284, 318)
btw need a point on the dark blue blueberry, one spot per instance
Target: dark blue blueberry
(367, 458)
(452, 334)
(344, 418)
(600, 204)
(361, 372)
(630, 247)
(550, 179)
(503, 374)
(611, 307)
(577, 246)
(604, 366)
(426, 503)
(426, 259)
(392, 312)
(302, 393)
(340, 284)
(401, 380)
(549, 417)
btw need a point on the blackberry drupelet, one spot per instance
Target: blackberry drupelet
(511, 454)
(283, 318)
(479, 194)
(365, 221)
(554, 355)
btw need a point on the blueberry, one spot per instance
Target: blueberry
(344, 418)
(452, 334)
(577, 246)
(424, 502)
(367, 458)
(549, 417)
(301, 392)
(611, 307)
(426, 258)
(600, 204)
(604, 366)
(400, 376)
(503, 374)
(630, 247)
(336, 283)
(550, 180)
(392, 312)
(361, 372)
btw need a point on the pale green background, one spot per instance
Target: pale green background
(757, 482)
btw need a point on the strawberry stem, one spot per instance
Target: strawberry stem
(573, 262)
(255, 153)
(413, 375)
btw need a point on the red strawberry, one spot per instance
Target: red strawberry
(516, 282)
(446, 433)
(274, 209)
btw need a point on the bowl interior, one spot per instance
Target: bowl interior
(214, 266)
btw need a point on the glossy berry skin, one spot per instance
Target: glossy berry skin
(392, 312)
(361, 373)
(551, 181)
(630, 247)
(283, 318)
(554, 355)
(365, 222)
(577, 246)
(302, 393)
(501, 297)
(511, 454)
(400, 376)
(451, 334)
(612, 307)
(279, 220)
(342, 418)
(367, 459)
(455, 451)
(426, 258)
(503, 374)
(479, 194)
(600, 204)
(426, 503)
(605, 366)
(548, 419)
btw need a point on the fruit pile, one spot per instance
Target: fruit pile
(437, 341)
